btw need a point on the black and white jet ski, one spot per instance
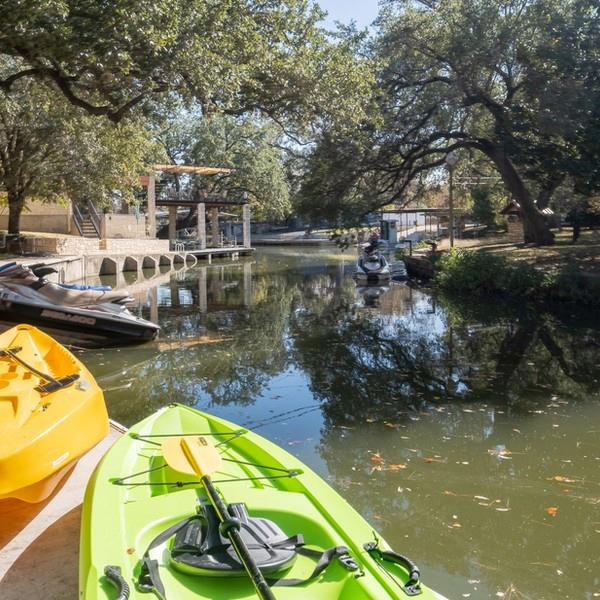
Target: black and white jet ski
(80, 315)
(372, 266)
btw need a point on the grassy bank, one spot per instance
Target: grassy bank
(565, 271)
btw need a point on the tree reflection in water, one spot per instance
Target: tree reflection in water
(429, 406)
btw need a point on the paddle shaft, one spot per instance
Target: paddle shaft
(262, 588)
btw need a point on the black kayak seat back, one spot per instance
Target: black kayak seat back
(199, 548)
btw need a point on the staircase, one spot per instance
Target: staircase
(88, 222)
(87, 227)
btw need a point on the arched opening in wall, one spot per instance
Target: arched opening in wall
(178, 261)
(148, 263)
(130, 264)
(108, 267)
(190, 259)
(164, 261)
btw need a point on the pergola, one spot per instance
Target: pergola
(174, 201)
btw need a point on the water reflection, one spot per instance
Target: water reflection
(453, 429)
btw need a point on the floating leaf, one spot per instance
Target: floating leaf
(377, 459)
(552, 510)
(396, 467)
(481, 498)
(502, 509)
(561, 479)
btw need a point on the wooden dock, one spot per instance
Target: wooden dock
(39, 543)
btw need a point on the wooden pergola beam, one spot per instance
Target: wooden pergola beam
(196, 170)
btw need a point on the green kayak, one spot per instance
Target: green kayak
(148, 527)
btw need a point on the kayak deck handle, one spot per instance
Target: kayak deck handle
(413, 586)
(113, 574)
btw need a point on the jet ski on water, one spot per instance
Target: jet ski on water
(81, 315)
(372, 266)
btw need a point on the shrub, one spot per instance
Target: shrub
(482, 272)
(577, 287)
(468, 271)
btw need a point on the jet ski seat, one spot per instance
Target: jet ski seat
(59, 295)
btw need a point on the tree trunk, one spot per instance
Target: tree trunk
(16, 202)
(544, 196)
(535, 228)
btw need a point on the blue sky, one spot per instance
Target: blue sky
(362, 11)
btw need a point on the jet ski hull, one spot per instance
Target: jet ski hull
(77, 326)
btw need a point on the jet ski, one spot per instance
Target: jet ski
(372, 266)
(79, 315)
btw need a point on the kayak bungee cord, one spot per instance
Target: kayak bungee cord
(53, 384)
(125, 481)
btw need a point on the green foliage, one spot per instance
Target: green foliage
(251, 146)
(575, 286)
(470, 271)
(50, 150)
(240, 56)
(512, 81)
(486, 204)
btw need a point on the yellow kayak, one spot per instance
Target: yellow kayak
(51, 413)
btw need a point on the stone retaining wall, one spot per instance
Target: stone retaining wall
(79, 246)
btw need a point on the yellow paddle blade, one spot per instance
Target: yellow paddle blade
(191, 454)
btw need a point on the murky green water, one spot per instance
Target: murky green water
(468, 436)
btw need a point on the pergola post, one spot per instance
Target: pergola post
(246, 226)
(151, 206)
(201, 226)
(214, 226)
(172, 223)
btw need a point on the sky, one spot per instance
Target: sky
(362, 11)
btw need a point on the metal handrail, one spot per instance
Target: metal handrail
(78, 218)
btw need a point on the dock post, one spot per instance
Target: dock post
(201, 226)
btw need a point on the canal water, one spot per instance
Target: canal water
(467, 434)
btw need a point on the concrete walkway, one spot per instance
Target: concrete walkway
(39, 543)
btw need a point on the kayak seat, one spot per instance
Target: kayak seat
(200, 548)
